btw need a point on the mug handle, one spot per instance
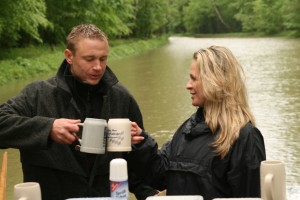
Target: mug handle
(79, 124)
(268, 184)
(77, 147)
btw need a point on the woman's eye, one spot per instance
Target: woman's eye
(193, 78)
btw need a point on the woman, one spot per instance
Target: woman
(218, 150)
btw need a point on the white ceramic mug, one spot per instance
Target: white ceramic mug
(27, 191)
(272, 180)
(119, 135)
(93, 138)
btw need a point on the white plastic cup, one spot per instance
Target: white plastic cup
(119, 135)
(118, 177)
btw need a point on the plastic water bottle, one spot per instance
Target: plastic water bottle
(118, 178)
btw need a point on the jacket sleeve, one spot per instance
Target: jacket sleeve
(247, 154)
(138, 185)
(150, 162)
(20, 127)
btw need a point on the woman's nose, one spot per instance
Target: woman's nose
(188, 85)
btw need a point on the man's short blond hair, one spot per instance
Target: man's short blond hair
(81, 31)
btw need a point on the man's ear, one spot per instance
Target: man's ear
(69, 56)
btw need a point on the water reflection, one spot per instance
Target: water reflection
(157, 79)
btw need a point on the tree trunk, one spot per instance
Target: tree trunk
(219, 14)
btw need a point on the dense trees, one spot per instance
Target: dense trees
(24, 22)
(20, 21)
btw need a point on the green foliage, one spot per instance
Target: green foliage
(175, 23)
(196, 15)
(21, 17)
(114, 17)
(152, 17)
(291, 16)
(38, 60)
(25, 22)
(269, 17)
(118, 19)
(135, 47)
(266, 15)
(30, 65)
(245, 14)
(210, 16)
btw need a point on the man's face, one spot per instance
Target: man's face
(88, 64)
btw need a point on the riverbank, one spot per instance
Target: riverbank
(23, 63)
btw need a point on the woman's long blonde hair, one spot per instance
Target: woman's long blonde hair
(226, 107)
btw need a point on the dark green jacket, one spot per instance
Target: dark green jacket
(25, 124)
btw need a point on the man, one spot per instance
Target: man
(42, 119)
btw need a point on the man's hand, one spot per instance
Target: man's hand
(63, 130)
(136, 132)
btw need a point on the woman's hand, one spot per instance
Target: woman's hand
(136, 132)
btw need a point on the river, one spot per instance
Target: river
(157, 79)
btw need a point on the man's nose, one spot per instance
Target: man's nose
(97, 65)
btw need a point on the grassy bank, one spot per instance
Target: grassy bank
(23, 63)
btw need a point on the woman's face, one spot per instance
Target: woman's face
(194, 85)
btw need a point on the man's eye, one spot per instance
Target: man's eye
(103, 59)
(89, 59)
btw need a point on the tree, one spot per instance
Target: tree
(263, 16)
(175, 17)
(210, 16)
(151, 17)
(113, 17)
(268, 18)
(20, 19)
(216, 8)
(245, 14)
(291, 16)
(199, 17)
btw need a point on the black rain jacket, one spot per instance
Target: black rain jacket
(187, 165)
(26, 121)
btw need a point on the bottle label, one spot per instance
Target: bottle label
(119, 189)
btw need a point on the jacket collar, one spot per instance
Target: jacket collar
(196, 125)
(109, 78)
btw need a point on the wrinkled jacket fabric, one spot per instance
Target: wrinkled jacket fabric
(25, 124)
(187, 164)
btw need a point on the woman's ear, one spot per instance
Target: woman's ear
(69, 56)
